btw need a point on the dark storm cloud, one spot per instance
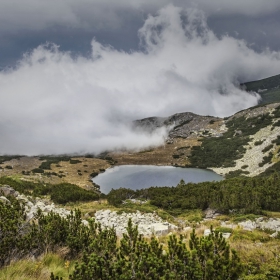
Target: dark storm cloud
(28, 23)
(109, 14)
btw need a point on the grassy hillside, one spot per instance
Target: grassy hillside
(250, 146)
(268, 88)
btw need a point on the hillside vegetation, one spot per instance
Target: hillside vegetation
(72, 250)
(241, 195)
(245, 148)
(106, 257)
(268, 88)
(249, 147)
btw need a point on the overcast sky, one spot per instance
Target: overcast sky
(74, 74)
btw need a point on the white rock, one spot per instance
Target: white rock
(5, 200)
(86, 223)
(274, 235)
(226, 235)
(187, 228)
(207, 232)
(248, 225)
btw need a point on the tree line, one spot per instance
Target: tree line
(244, 195)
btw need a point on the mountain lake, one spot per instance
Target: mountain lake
(144, 176)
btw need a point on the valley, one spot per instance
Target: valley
(243, 208)
(244, 144)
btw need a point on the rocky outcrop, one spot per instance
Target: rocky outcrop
(148, 223)
(182, 125)
(256, 111)
(272, 224)
(7, 190)
(32, 205)
(225, 235)
(210, 214)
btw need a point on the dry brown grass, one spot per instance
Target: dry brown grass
(257, 254)
(37, 269)
(162, 155)
(79, 173)
(69, 171)
(92, 206)
(86, 167)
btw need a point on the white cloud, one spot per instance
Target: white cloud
(54, 103)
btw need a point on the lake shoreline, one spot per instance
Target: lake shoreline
(145, 176)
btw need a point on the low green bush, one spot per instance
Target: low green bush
(224, 229)
(74, 161)
(8, 167)
(137, 258)
(65, 192)
(257, 143)
(266, 149)
(93, 174)
(8, 158)
(38, 170)
(49, 160)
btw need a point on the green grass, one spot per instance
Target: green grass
(236, 218)
(39, 269)
(253, 236)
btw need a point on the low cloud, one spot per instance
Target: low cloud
(56, 103)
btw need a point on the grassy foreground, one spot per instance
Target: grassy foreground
(38, 269)
(258, 252)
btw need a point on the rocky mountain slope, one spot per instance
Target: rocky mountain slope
(246, 143)
(250, 136)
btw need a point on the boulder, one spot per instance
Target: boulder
(7, 190)
(274, 235)
(207, 232)
(210, 213)
(226, 235)
(248, 225)
(160, 229)
(4, 200)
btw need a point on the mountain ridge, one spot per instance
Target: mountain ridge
(268, 88)
(224, 145)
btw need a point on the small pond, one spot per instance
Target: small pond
(144, 176)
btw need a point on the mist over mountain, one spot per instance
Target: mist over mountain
(54, 102)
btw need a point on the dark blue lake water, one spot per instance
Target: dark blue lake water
(144, 176)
